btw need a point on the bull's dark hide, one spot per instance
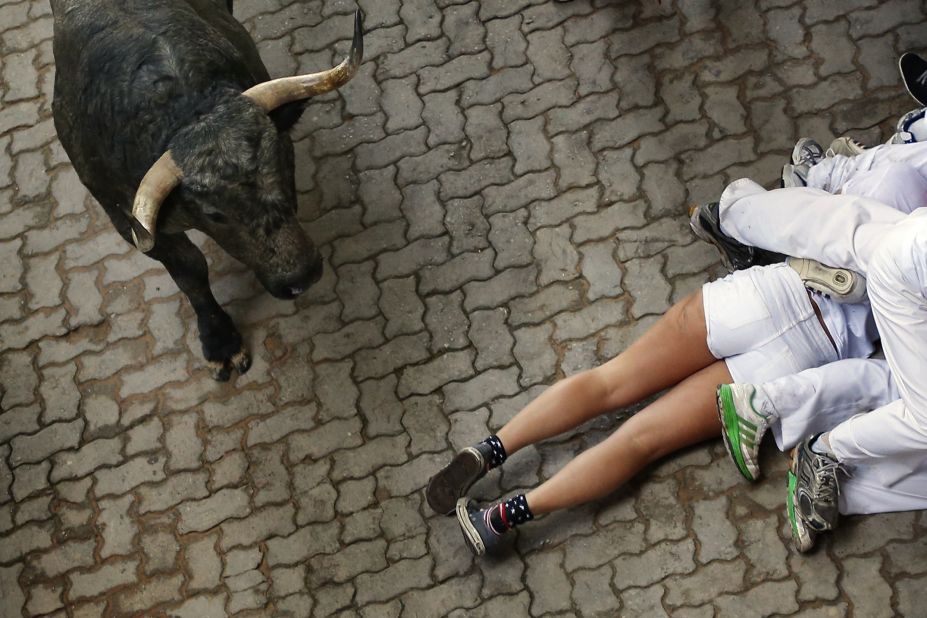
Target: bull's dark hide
(136, 78)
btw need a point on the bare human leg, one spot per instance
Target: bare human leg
(685, 415)
(673, 349)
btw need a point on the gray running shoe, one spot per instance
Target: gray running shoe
(816, 488)
(453, 480)
(803, 537)
(807, 152)
(742, 427)
(841, 284)
(845, 147)
(477, 530)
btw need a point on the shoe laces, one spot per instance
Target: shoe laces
(824, 485)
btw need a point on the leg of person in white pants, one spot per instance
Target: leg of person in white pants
(890, 248)
(862, 173)
(819, 399)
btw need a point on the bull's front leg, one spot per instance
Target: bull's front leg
(221, 341)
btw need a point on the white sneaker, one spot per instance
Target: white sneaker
(841, 284)
(742, 427)
(844, 146)
(807, 152)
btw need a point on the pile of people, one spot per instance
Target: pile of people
(824, 269)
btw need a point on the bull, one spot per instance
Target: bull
(172, 122)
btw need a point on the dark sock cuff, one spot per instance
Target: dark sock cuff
(513, 512)
(493, 451)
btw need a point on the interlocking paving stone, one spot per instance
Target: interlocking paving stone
(501, 195)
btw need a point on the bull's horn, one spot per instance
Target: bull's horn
(157, 184)
(271, 95)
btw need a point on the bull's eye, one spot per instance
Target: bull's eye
(216, 217)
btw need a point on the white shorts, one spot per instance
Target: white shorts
(761, 322)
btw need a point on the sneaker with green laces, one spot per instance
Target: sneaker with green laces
(742, 427)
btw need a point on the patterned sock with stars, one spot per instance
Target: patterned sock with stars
(513, 512)
(492, 451)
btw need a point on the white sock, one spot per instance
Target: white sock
(821, 446)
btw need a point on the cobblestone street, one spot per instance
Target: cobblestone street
(500, 195)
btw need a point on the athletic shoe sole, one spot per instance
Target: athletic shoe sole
(841, 284)
(470, 533)
(802, 537)
(731, 427)
(450, 484)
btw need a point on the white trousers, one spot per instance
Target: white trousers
(887, 447)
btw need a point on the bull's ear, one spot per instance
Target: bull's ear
(285, 116)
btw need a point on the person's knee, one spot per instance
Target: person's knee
(687, 316)
(892, 261)
(642, 444)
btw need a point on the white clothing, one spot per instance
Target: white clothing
(819, 399)
(761, 322)
(895, 174)
(890, 248)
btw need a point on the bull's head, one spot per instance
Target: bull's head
(235, 174)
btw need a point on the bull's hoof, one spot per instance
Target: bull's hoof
(242, 361)
(222, 370)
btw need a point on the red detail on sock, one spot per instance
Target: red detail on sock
(505, 520)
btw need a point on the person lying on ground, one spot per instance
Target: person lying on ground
(754, 326)
(886, 449)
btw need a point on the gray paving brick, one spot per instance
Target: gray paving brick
(446, 321)
(555, 254)
(392, 355)
(466, 225)
(506, 42)
(491, 338)
(401, 104)
(331, 436)
(116, 526)
(29, 480)
(545, 575)
(778, 596)
(425, 378)
(83, 461)
(520, 106)
(444, 118)
(600, 270)
(201, 515)
(534, 354)
(510, 238)
(549, 55)
(454, 72)
(486, 132)
(499, 84)
(422, 19)
(107, 577)
(413, 58)
(519, 193)
(401, 306)
(380, 195)
(457, 271)
(396, 579)
(495, 292)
